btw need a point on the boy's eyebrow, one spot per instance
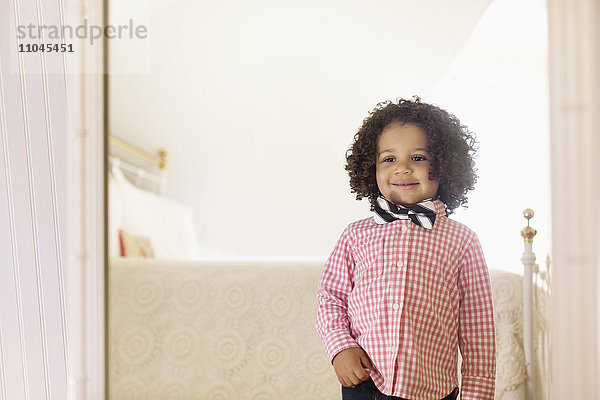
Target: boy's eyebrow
(392, 150)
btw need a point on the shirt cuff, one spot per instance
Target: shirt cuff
(477, 388)
(337, 341)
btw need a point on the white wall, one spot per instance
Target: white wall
(51, 207)
(498, 86)
(33, 203)
(257, 102)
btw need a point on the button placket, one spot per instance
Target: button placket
(403, 229)
(395, 303)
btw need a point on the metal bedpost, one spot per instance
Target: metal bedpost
(528, 260)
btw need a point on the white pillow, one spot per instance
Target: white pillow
(168, 223)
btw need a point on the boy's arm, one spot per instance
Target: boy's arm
(476, 331)
(332, 294)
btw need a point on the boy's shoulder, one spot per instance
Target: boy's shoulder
(355, 230)
(363, 223)
(457, 232)
(443, 221)
(444, 226)
(444, 229)
(457, 226)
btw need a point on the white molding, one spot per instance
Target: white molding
(574, 71)
(85, 263)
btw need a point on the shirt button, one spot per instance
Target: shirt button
(396, 306)
(400, 264)
(404, 228)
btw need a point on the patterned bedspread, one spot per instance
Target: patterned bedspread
(244, 330)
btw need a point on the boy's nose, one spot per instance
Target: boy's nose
(402, 168)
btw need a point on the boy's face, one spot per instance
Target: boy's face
(402, 165)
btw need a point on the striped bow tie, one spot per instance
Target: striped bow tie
(422, 214)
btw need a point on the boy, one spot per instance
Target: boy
(405, 290)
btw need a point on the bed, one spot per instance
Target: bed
(184, 326)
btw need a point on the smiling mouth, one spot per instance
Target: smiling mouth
(404, 186)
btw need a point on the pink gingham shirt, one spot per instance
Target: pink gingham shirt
(411, 297)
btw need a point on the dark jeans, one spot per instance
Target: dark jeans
(368, 391)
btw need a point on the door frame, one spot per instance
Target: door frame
(85, 275)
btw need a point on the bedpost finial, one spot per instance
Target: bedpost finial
(528, 232)
(528, 214)
(163, 158)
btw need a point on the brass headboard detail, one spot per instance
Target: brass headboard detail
(161, 162)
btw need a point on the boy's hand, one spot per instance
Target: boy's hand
(351, 366)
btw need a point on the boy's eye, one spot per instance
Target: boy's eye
(419, 158)
(389, 159)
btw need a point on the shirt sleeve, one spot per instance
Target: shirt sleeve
(477, 338)
(332, 319)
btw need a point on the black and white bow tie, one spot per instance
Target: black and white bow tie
(422, 214)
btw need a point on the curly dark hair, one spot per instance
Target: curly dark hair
(451, 146)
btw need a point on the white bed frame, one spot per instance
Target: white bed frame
(143, 169)
(534, 278)
(149, 172)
